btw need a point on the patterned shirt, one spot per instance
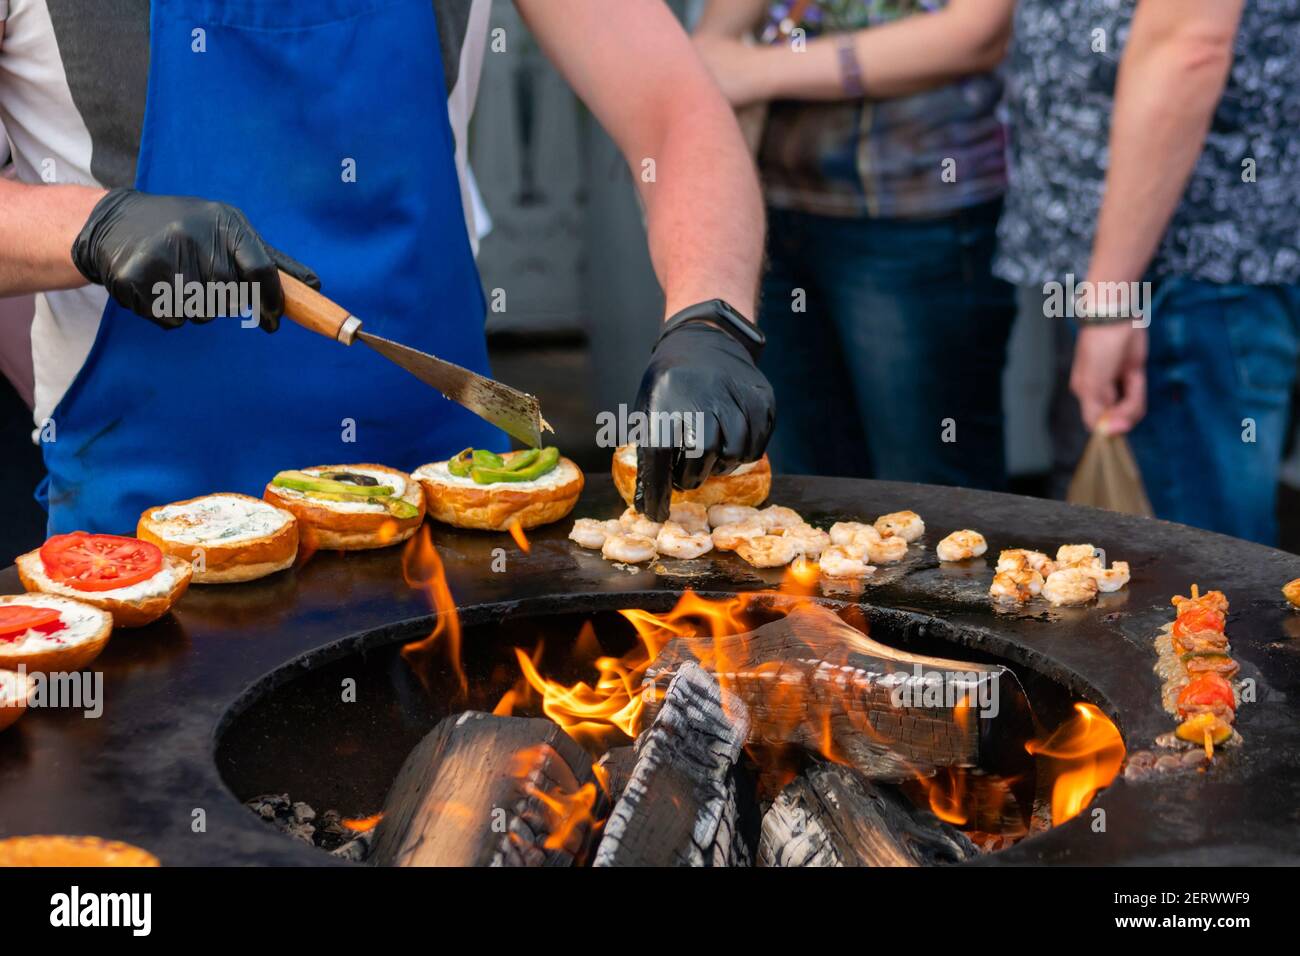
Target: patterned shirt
(1238, 221)
(918, 156)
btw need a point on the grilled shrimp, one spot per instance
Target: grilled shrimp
(730, 514)
(728, 536)
(853, 534)
(838, 562)
(811, 541)
(1110, 579)
(768, 550)
(901, 524)
(1077, 556)
(677, 542)
(629, 548)
(1016, 559)
(961, 546)
(887, 550)
(638, 524)
(1070, 586)
(590, 533)
(1016, 585)
(691, 516)
(776, 518)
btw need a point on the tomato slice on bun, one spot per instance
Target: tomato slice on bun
(99, 562)
(18, 619)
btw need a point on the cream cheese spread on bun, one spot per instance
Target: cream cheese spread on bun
(219, 519)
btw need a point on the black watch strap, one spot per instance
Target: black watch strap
(721, 315)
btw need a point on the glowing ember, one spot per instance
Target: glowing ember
(1088, 752)
(364, 824)
(422, 567)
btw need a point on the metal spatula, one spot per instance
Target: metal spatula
(516, 413)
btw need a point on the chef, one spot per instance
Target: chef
(158, 145)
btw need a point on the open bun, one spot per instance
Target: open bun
(133, 606)
(84, 635)
(747, 485)
(465, 504)
(76, 851)
(14, 690)
(241, 538)
(348, 525)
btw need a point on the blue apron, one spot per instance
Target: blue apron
(266, 116)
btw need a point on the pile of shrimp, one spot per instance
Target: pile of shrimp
(770, 537)
(1076, 576)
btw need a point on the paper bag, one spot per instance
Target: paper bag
(1108, 477)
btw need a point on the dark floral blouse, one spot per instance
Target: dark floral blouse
(1239, 221)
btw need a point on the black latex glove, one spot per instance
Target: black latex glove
(134, 240)
(698, 367)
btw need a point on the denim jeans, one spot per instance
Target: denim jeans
(886, 344)
(1220, 375)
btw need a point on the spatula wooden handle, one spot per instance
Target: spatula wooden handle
(313, 311)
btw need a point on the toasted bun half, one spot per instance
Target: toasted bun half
(134, 606)
(240, 538)
(747, 485)
(14, 691)
(81, 639)
(72, 851)
(351, 526)
(464, 504)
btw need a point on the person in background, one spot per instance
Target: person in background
(882, 162)
(1175, 160)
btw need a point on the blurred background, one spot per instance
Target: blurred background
(565, 243)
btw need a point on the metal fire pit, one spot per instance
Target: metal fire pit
(173, 690)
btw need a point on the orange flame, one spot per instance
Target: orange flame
(1088, 752)
(521, 539)
(364, 824)
(387, 531)
(565, 812)
(422, 567)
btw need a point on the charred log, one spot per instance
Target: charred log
(811, 680)
(679, 807)
(830, 816)
(616, 765)
(481, 790)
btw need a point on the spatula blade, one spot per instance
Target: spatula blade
(516, 413)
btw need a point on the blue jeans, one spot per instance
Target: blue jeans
(886, 343)
(1220, 375)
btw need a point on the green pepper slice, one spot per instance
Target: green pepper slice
(546, 461)
(483, 458)
(523, 459)
(461, 463)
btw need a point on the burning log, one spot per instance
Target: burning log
(830, 816)
(679, 807)
(616, 765)
(481, 790)
(812, 680)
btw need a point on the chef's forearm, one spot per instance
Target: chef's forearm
(704, 211)
(37, 227)
(656, 99)
(899, 58)
(1170, 80)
